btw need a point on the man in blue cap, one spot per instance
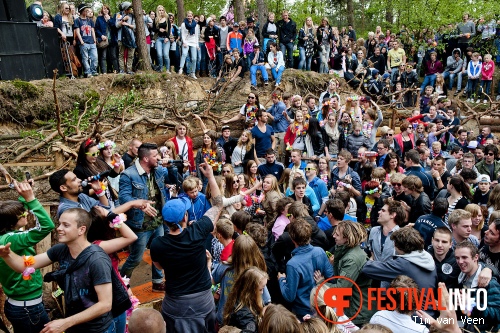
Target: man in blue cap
(188, 305)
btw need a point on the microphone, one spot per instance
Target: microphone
(99, 176)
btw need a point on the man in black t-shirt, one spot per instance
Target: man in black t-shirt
(130, 156)
(89, 269)
(188, 305)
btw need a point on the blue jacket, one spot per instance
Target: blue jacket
(356, 181)
(296, 287)
(280, 123)
(427, 180)
(133, 185)
(315, 204)
(319, 188)
(199, 206)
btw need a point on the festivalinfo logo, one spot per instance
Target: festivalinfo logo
(387, 299)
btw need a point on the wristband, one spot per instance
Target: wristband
(98, 192)
(118, 221)
(28, 261)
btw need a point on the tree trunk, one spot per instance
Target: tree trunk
(262, 15)
(142, 46)
(389, 16)
(181, 12)
(239, 10)
(350, 13)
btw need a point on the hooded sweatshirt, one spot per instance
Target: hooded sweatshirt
(487, 70)
(452, 65)
(419, 265)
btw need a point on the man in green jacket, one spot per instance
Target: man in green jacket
(23, 307)
(489, 166)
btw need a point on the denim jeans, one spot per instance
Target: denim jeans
(486, 88)
(324, 57)
(102, 55)
(120, 322)
(288, 50)
(137, 250)
(201, 63)
(277, 73)
(304, 63)
(163, 52)
(253, 73)
(471, 88)
(451, 76)
(89, 58)
(194, 53)
(29, 319)
(112, 56)
(429, 80)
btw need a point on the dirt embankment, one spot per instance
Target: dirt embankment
(117, 107)
(40, 135)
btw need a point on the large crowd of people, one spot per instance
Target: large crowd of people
(383, 63)
(244, 231)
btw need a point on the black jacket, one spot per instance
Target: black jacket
(215, 32)
(421, 206)
(409, 80)
(362, 210)
(283, 247)
(287, 31)
(447, 270)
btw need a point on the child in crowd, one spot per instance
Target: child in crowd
(473, 72)
(482, 192)
(346, 186)
(424, 100)
(278, 227)
(487, 71)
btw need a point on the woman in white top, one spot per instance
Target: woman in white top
(242, 152)
(275, 60)
(190, 34)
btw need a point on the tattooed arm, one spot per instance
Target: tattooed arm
(217, 205)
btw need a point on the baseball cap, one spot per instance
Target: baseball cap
(236, 24)
(365, 99)
(472, 144)
(225, 127)
(175, 209)
(250, 19)
(483, 179)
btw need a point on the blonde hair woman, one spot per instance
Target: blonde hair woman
(243, 152)
(162, 33)
(478, 226)
(306, 44)
(272, 194)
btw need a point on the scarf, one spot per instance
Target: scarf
(334, 135)
(191, 27)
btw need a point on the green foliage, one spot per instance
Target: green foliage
(34, 133)
(117, 103)
(26, 88)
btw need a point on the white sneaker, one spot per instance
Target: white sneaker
(478, 101)
(498, 98)
(468, 100)
(485, 101)
(193, 76)
(180, 71)
(169, 72)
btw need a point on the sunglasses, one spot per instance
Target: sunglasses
(309, 169)
(251, 97)
(390, 134)
(237, 181)
(92, 154)
(396, 184)
(491, 154)
(226, 171)
(288, 215)
(25, 214)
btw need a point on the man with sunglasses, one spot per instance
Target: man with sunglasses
(247, 111)
(489, 166)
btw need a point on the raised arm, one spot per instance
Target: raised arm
(17, 263)
(217, 203)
